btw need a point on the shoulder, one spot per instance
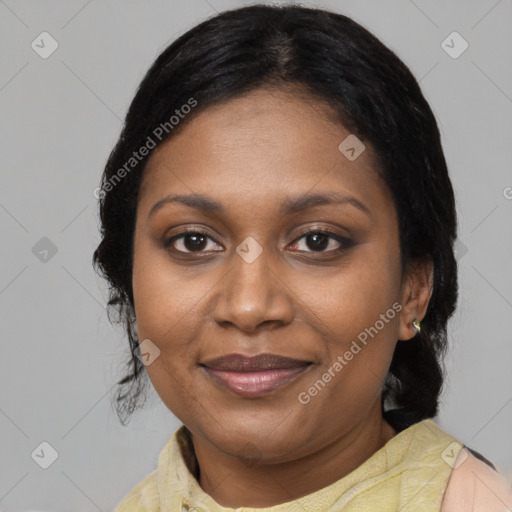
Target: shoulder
(474, 485)
(143, 497)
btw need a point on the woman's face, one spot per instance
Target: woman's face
(254, 282)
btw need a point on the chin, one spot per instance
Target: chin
(256, 443)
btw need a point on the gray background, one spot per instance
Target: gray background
(59, 118)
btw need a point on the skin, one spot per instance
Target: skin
(294, 300)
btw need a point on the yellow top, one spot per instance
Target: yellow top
(409, 473)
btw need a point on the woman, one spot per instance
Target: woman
(277, 230)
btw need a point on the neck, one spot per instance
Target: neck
(234, 482)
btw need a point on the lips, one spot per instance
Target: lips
(254, 376)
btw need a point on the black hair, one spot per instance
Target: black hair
(370, 91)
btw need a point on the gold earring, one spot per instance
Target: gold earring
(416, 326)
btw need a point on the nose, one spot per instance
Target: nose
(252, 294)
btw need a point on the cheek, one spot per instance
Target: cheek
(167, 300)
(362, 329)
(361, 314)
(165, 313)
(166, 316)
(354, 296)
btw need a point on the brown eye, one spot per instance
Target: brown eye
(189, 241)
(322, 241)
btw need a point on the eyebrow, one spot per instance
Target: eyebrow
(290, 206)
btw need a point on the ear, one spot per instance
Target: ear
(415, 295)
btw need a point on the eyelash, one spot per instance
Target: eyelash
(345, 243)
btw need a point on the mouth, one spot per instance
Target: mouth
(254, 376)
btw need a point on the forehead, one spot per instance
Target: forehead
(260, 147)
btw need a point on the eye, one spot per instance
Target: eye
(317, 240)
(189, 242)
(320, 240)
